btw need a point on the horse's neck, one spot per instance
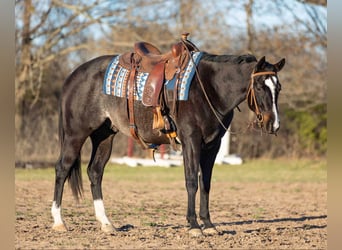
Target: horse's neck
(232, 89)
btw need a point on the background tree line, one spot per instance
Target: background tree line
(53, 37)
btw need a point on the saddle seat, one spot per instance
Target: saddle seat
(152, 54)
(147, 56)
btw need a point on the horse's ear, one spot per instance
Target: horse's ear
(260, 64)
(279, 65)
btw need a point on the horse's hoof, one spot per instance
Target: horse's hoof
(108, 228)
(210, 231)
(195, 232)
(59, 228)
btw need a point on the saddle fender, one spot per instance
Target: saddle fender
(153, 85)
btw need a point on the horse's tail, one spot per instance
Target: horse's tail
(60, 126)
(74, 176)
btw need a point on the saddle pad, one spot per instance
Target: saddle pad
(116, 78)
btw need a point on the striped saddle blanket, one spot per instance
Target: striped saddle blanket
(116, 79)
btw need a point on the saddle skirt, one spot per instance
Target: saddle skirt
(116, 79)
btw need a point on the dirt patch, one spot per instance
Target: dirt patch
(152, 215)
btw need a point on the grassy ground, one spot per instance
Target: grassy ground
(262, 170)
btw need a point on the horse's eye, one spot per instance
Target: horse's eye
(259, 88)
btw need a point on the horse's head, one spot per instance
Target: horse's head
(262, 95)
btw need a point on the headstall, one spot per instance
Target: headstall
(251, 98)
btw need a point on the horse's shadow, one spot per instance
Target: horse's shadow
(125, 228)
(303, 218)
(129, 227)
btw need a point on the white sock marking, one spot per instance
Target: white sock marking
(269, 83)
(56, 214)
(100, 212)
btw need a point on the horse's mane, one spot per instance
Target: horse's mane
(235, 59)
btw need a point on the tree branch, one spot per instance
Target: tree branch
(315, 2)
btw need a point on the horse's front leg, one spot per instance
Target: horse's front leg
(191, 156)
(207, 162)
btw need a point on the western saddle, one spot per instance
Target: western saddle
(148, 58)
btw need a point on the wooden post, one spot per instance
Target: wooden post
(162, 151)
(130, 145)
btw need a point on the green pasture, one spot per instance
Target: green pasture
(261, 170)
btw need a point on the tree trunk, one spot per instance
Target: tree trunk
(25, 57)
(250, 30)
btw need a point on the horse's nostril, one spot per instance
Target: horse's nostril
(275, 129)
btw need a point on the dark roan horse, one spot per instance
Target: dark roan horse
(222, 83)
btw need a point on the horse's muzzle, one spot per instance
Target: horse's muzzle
(271, 125)
(274, 131)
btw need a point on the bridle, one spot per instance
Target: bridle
(251, 98)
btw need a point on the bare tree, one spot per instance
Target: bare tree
(47, 31)
(315, 24)
(250, 29)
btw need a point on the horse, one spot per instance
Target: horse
(221, 83)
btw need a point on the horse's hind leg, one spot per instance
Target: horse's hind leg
(102, 139)
(68, 166)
